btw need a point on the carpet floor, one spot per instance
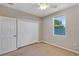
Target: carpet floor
(40, 49)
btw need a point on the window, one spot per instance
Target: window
(59, 25)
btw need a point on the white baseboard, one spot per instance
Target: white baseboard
(62, 47)
(56, 46)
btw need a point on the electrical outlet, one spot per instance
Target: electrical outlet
(74, 44)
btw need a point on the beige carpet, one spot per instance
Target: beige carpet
(40, 49)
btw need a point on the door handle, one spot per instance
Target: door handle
(14, 35)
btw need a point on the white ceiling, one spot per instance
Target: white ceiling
(32, 8)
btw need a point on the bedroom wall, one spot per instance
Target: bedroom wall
(71, 39)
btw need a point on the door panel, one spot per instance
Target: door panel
(8, 30)
(27, 32)
(0, 35)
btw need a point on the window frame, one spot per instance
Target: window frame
(65, 26)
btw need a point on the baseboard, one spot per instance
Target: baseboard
(61, 47)
(7, 52)
(1, 54)
(46, 43)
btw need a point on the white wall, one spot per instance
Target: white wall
(9, 12)
(71, 39)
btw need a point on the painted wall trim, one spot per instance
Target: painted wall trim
(61, 47)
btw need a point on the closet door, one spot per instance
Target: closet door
(28, 32)
(8, 31)
(0, 35)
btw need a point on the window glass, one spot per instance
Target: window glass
(59, 25)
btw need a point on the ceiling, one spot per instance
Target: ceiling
(32, 8)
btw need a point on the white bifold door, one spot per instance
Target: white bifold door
(28, 32)
(7, 34)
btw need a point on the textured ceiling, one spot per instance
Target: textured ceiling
(32, 8)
